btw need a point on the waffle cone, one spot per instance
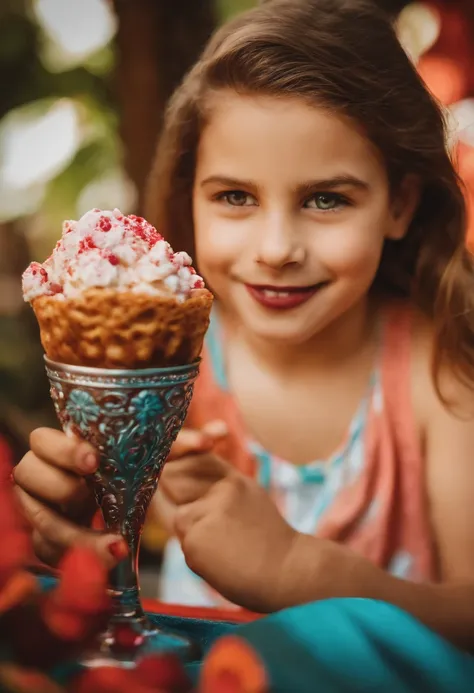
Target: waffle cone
(104, 328)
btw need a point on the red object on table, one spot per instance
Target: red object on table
(237, 616)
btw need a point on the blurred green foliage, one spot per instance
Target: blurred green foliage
(30, 80)
(227, 8)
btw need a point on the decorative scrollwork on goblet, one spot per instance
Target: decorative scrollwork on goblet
(132, 419)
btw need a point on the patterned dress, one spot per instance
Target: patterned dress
(370, 495)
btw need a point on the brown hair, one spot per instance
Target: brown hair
(342, 54)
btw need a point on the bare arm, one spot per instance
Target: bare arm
(450, 486)
(331, 571)
(325, 571)
(283, 568)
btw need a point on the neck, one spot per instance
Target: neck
(331, 347)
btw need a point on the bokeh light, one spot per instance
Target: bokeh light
(418, 28)
(77, 28)
(36, 145)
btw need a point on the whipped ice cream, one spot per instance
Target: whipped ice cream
(107, 249)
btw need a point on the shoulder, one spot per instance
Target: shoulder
(439, 396)
(435, 401)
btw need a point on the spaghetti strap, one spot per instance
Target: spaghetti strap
(216, 354)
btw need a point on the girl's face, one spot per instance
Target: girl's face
(291, 209)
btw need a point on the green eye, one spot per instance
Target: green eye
(325, 202)
(237, 198)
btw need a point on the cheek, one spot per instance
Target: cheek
(219, 243)
(353, 251)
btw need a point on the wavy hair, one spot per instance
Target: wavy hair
(343, 55)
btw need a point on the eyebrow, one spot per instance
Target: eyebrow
(341, 181)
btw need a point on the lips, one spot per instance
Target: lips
(282, 298)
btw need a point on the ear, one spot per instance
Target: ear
(404, 204)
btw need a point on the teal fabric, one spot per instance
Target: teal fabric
(340, 646)
(352, 645)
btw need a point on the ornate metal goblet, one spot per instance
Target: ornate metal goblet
(132, 418)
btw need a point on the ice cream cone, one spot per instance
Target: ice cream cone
(114, 294)
(105, 328)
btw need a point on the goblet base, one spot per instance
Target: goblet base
(124, 644)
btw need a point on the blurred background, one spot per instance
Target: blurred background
(83, 88)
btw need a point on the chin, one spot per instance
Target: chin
(286, 332)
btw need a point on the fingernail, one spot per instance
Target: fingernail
(217, 428)
(89, 463)
(118, 550)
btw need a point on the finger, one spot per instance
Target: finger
(189, 478)
(62, 534)
(45, 551)
(197, 466)
(216, 429)
(58, 450)
(189, 441)
(185, 489)
(48, 483)
(163, 511)
(186, 517)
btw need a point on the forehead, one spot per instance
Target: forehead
(251, 136)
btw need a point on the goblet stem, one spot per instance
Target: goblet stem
(123, 516)
(125, 589)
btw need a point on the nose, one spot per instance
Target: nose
(278, 243)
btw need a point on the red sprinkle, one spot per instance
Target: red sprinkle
(55, 288)
(113, 259)
(142, 229)
(86, 244)
(36, 269)
(105, 224)
(199, 284)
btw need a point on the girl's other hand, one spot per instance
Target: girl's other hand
(56, 501)
(237, 541)
(190, 471)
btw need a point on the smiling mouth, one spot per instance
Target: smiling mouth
(283, 297)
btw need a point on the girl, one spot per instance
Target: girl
(329, 445)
